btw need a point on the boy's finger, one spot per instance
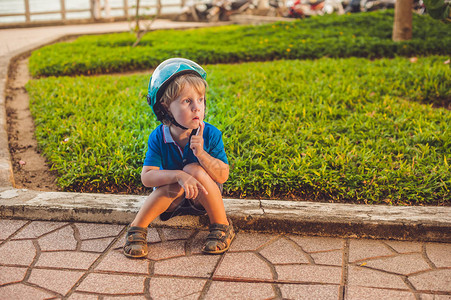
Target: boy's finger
(191, 193)
(203, 189)
(200, 131)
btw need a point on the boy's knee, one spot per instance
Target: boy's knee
(195, 170)
(172, 191)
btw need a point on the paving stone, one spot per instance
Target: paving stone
(11, 274)
(62, 239)
(22, 291)
(372, 278)
(67, 259)
(243, 265)
(198, 266)
(175, 288)
(9, 227)
(131, 297)
(239, 290)
(116, 261)
(153, 236)
(83, 296)
(59, 281)
(195, 296)
(176, 234)
(434, 297)
(311, 291)
(362, 293)
(199, 240)
(249, 241)
(112, 284)
(401, 264)
(283, 251)
(439, 254)
(97, 245)
(436, 280)
(405, 247)
(37, 228)
(365, 249)
(91, 231)
(309, 273)
(332, 258)
(19, 253)
(315, 244)
(164, 250)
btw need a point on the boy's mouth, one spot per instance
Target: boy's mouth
(196, 118)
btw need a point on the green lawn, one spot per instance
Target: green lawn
(342, 130)
(356, 35)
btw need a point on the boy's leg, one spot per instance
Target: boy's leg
(158, 202)
(212, 202)
(221, 231)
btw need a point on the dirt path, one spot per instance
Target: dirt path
(31, 170)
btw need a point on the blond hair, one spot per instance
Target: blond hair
(177, 85)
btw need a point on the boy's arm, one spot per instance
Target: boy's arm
(217, 169)
(154, 177)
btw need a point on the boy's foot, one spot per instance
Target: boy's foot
(136, 242)
(219, 239)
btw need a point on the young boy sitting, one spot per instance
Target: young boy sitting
(185, 161)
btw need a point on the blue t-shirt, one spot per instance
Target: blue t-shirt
(163, 151)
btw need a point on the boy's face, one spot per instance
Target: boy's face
(188, 109)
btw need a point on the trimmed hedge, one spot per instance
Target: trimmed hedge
(339, 130)
(361, 35)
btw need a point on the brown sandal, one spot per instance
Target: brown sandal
(136, 242)
(219, 239)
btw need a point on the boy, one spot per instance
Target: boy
(185, 161)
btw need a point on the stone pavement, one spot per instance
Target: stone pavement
(310, 250)
(67, 260)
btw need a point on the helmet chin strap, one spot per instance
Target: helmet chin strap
(173, 121)
(167, 116)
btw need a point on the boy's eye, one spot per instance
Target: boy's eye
(187, 100)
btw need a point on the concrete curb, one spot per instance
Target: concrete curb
(310, 218)
(321, 219)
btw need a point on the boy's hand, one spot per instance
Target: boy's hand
(197, 141)
(190, 185)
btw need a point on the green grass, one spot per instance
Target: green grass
(341, 130)
(361, 35)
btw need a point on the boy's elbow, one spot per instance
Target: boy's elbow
(224, 175)
(145, 178)
(222, 180)
(145, 183)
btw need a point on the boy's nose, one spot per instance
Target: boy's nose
(196, 106)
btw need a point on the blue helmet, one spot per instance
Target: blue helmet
(162, 76)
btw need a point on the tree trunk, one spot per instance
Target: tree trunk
(402, 26)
